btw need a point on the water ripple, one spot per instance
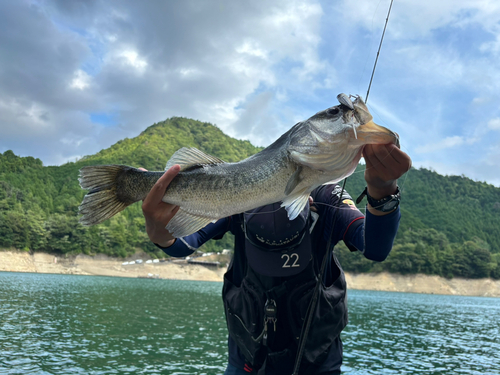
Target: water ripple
(62, 324)
(412, 333)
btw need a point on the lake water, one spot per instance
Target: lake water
(61, 324)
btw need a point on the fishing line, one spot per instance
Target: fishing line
(378, 52)
(314, 203)
(369, 86)
(402, 187)
(329, 248)
(262, 212)
(314, 299)
(370, 50)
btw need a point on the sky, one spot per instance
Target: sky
(78, 76)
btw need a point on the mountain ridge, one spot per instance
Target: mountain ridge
(454, 216)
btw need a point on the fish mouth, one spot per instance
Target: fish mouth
(371, 133)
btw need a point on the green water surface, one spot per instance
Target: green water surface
(62, 324)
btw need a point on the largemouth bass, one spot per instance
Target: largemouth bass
(323, 149)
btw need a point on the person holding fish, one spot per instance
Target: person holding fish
(284, 292)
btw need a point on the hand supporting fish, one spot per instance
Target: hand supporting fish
(158, 213)
(323, 149)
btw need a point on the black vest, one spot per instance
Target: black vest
(262, 339)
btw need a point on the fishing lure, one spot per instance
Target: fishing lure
(345, 99)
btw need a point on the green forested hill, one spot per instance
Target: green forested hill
(154, 146)
(456, 206)
(450, 224)
(39, 205)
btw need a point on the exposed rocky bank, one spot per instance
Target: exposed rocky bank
(20, 261)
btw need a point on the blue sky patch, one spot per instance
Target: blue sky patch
(106, 119)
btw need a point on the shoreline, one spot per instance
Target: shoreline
(102, 265)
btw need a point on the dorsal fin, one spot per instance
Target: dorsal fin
(188, 157)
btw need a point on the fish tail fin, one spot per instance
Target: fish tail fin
(103, 199)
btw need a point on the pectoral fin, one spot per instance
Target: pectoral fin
(188, 157)
(294, 180)
(294, 204)
(184, 223)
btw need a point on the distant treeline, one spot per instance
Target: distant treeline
(450, 225)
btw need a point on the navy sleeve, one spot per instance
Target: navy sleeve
(372, 235)
(376, 236)
(185, 246)
(380, 232)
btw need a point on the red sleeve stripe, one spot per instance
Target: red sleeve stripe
(247, 368)
(358, 218)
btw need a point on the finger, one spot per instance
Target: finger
(402, 158)
(374, 156)
(158, 190)
(382, 156)
(368, 155)
(388, 162)
(380, 166)
(169, 175)
(160, 216)
(312, 205)
(398, 162)
(167, 212)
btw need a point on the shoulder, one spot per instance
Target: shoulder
(329, 193)
(330, 196)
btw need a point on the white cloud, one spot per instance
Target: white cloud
(252, 48)
(494, 124)
(416, 19)
(205, 71)
(252, 68)
(132, 58)
(81, 80)
(448, 142)
(190, 73)
(22, 116)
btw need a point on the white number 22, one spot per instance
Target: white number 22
(288, 258)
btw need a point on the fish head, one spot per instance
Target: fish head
(333, 139)
(368, 132)
(350, 123)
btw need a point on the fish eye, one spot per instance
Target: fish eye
(332, 111)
